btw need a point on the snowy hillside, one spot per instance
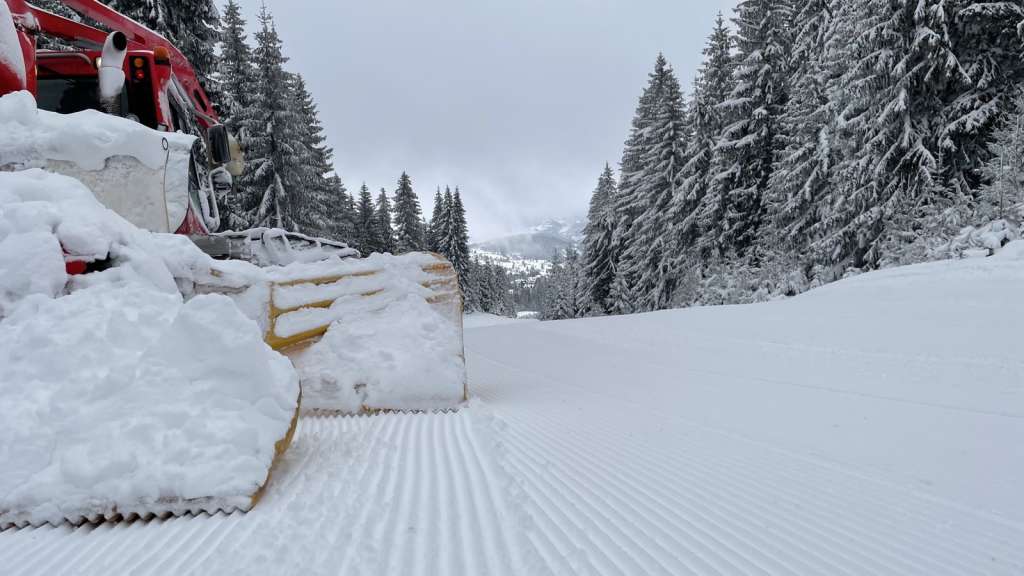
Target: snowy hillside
(540, 242)
(871, 426)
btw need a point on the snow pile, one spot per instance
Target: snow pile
(88, 138)
(124, 398)
(115, 394)
(981, 241)
(398, 355)
(139, 172)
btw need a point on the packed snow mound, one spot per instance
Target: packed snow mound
(116, 395)
(29, 136)
(46, 218)
(140, 172)
(124, 398)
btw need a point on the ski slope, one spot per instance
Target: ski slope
(873, 426)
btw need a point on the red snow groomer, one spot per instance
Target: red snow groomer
(131, 72)
(135, 73)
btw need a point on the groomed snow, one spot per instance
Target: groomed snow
(872, 426)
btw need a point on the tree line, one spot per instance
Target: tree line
(823, 138)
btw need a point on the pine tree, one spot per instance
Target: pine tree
(647, 255)
(458, 237)
(1003, 196)
(805, 170)
(311, 168)
(597, 265)
(985, 39)
(745, 154)
(473, 298)
(437, 229)
(234, 73)
(274, 147)
(383, 231)
(344, 215)
(628, 202)
(905, 67)
(632, 199)
(235, 76)
(408, 217)
(365, 234)
(688, 211)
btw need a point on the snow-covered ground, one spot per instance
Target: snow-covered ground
(482, 319)
(871, 426)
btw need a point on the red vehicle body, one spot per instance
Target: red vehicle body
(161, 89)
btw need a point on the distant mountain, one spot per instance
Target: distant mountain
(541, 242)
(571, 230)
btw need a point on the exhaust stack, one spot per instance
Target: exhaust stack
(111, 72)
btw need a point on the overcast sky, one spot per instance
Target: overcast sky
(519, 102)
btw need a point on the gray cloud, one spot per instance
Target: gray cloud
(519, 102)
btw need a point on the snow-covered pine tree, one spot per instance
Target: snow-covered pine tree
(383, 231)
(688, 209)
(308, 176)
(565, 295)
(597, 266)
(628, 204)
(622, 297)
(408, 217)
(986, 41)
(273, 147)
(647, 256)
(803, 174)
(193, 26)
(366, 236)
(437, 230)
(473, 298)
(905, 67)
(458, 237)
(1002, 198)
(343, 216)
(503, 301)
(745, 154)
(234, 72)
(235, 76)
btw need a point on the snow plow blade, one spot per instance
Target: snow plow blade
(366, 335)
(441, 281)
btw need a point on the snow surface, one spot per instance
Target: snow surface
(872, 426)
(483, 319)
